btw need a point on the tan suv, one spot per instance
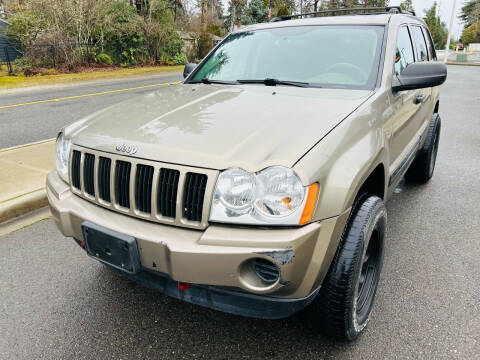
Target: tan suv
(257, 186)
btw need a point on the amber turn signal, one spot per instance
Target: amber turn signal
(309, 204)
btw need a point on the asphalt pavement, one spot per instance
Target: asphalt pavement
(56, 303)
(38, 121)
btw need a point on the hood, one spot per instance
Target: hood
(219, 126)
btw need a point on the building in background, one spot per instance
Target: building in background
(9, 51)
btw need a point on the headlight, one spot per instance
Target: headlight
(62, 152)
(273, 196)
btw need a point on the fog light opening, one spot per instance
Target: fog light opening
(266, 270)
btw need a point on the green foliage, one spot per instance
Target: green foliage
(24, 26)
(340, 4)
(21, 65)
(104, 31)
(283, 10)
(470, 13)
(407, 5)
(437, 28)
(125, 38)
(205, 43)
(103, 59)
(471, 34)
(375, 3)
(256, 12)
(179, 59)
(214, 29)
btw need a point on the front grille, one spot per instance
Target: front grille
(193, 195)
(122, 183)
(167, 192)
(76, 157)
(104, 168)
(88, 176)
(143, 188)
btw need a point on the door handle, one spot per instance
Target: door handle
(419, 98)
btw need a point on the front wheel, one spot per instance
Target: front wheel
(343, 306)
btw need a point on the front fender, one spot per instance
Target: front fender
(343, 160)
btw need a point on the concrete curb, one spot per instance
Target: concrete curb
(26, 145)
(462, 64)
(22, 205)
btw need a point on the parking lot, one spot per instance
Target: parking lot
(56, 303)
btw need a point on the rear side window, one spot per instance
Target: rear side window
(431, 47)
(404, 52)
(420, 44)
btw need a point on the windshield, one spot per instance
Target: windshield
(328, 56)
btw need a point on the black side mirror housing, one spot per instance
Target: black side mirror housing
(419, 75)
(188, 69)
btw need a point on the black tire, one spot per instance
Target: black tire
(343, 306)
(421, 169)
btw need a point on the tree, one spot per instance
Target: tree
(470, 13)
(471, 34)
(256, 12)
(407, 5)
(438, 29)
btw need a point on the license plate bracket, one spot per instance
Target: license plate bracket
(112, 248)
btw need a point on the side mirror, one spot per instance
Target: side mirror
(188, 69)
(420, 75)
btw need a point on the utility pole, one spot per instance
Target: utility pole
(452, 16)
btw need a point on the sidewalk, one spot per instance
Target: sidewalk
(22, 178)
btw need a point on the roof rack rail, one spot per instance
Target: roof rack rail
(345, 11)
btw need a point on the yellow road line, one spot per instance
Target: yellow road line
(86, 95)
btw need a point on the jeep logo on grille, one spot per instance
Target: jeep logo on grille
(127, 149)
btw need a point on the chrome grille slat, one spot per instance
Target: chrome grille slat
(159, 192)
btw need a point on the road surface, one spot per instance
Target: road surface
(28, 120)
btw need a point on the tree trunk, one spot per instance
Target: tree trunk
(204, 15)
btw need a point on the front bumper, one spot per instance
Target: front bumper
(215, 257)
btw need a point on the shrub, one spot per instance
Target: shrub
(124, 38)
(103, 59)
(22, 65)
(178, 59)
(283, 10)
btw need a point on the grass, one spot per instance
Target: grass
(12, 82)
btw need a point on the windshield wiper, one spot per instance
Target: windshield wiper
(274, 82)
(212, 81)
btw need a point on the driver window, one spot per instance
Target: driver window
(404, 51)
